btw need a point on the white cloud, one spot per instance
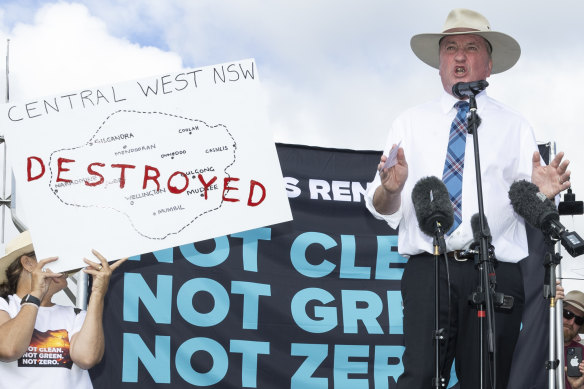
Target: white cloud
(337, 72)
(66, 48)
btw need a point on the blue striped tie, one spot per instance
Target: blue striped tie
(454, 163)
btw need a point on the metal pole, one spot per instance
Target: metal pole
(559, 334)
(3, 189)
(7, 71)
(82, 289)
(556, 321)
(559, 322)
(4, 143)
(552, 346)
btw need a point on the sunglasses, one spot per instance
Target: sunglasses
(569, 315)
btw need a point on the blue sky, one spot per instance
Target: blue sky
(336, 71)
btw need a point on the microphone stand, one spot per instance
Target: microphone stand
(483, 298)
(551, 261)
(553, 271)
(559, 334)
(439, 248)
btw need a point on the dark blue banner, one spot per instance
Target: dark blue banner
(312, 303)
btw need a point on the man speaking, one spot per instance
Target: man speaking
(433, 141)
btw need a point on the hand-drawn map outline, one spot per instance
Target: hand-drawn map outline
(90, 143)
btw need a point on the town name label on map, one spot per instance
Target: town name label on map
(151, 173)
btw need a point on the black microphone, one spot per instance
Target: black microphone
(432, 205)
(476, 233)
(476, 228)
(532, 205)
(541, 213)
(500, 300)
(466, 89)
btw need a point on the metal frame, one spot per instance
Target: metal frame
(78, 297)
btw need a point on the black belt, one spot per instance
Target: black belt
(465, 255)
(458, 255)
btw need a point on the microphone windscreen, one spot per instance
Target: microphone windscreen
(533, 206)
(432, 204)
(475, 225)
(466, 89)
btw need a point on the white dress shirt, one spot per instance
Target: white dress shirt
(506, 147)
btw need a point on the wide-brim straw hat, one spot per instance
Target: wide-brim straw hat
(575, 298)
(20, 245)
(505, 49)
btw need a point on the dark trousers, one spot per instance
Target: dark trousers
(462, 327)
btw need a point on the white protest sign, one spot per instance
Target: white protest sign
(145, 165)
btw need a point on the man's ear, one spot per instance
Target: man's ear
(27, 263)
